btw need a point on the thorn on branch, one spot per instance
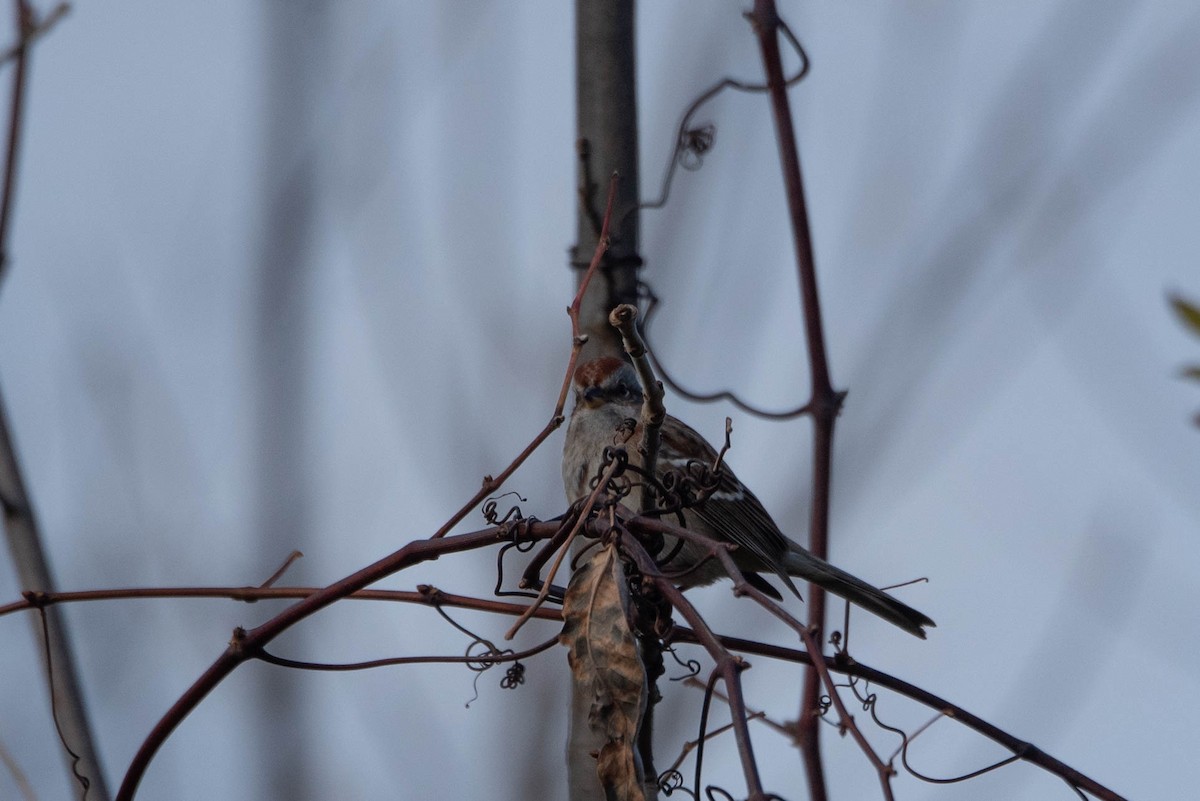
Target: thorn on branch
(33, 28)
(278, 574)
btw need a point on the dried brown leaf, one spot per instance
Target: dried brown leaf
(605, 662)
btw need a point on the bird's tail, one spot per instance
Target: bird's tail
(804, 565)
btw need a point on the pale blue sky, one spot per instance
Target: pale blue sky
(1001, 196)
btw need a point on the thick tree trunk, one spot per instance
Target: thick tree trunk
(606, 127)
(606, 116)
(296, 48)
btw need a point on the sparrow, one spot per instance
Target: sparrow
(608, 400)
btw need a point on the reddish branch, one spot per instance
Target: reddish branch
(430, 596)
(424, 594)
(721, 552)
(1027, 752)
(246, 645)
(728, 666)
(249, 644)
(24, 25)
(825, 401)
(491, 484)
(20, 522)
(823, 665)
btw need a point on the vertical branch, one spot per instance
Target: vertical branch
(606, 138)
(607, 142)
(295, 52)
(16, 112)
(20, 522)
(825, 402)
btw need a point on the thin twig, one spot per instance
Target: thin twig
(16, 114)
(278, 574)
(246, 644)
(825, 401)
(585, 512)
(1027, 752)
(742, 587)
(490, 484)
(424, 595)
(758, 714)
(20, 521)
(18, 776)
(654, 412)
(36, 29)
(679, 634)
(728, 666)
(372, 664)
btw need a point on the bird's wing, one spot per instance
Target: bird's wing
(731, 511)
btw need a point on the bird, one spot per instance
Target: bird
(608, 400)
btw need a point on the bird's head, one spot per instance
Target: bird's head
(604, 381)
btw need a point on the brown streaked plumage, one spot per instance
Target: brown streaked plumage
(607, 394)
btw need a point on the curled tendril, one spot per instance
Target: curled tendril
(671, 782)
(692, 483)
(512, 516)
(513, 677)
(479, 662)
(615, 455)
(620, 485)
(690, 665)
(81, 779)
(612, 456)
(652, 303)
(519, 547)
(713, 792)
(869, 701)
(694, 144)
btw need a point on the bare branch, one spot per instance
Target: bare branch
(1027, 752)
(585, 512)
(624, 319)
(247, 644)
(490, 484)
(287, 563)
(34, 31)
(20, 522)
(825, 402)
(743, 587)
(424, 595)
(430, 596)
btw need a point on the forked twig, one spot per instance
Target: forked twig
(20, 521)
(247, 645)
(585, 512)
(825, 402)
(654, 412)
(430, 596)
(490, 484)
